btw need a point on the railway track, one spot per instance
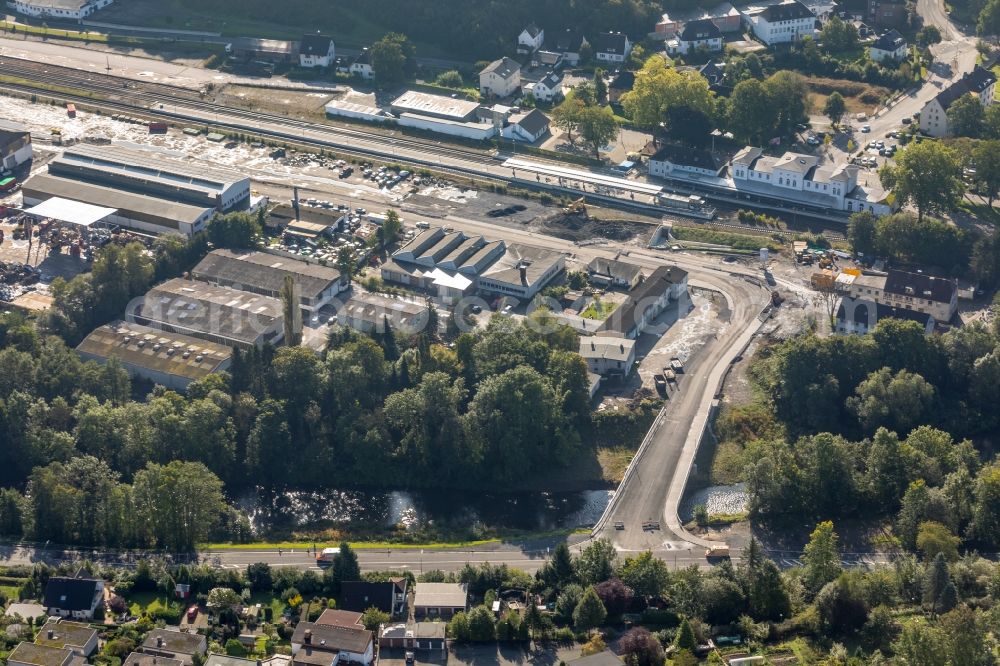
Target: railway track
(152, 98)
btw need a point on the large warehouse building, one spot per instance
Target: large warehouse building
(217, 314)
(264, 273)
(152, 173)
(151, 192)
(135, 211)
(170, 359)
(15, 144)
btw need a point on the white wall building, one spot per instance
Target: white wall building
(612, 47)
(979, 83)
(607, 355)
(785, 22)
(362, 66)
(549, 88)
(466, 130)
(501, 78)
(890, 46)
(61, 9)
(15, 144)
(316, 51)
(530, 39)
(794, 173)
(699, 35)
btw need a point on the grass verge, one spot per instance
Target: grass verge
(738, 241)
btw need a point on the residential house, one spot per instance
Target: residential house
(75, 636)
(888, 13)
(646, 302)
(311, 656)
(428, 638)
(622, 83)
(726, 17)
(361, 67)
(608, 355)
(980, 83)
(530, 39)
(785, 22)
(917, 292)
(338, 617)
(528, 127)
(501, 78)
(263, 50)
(570, 43)
(612, 47)
(889, 46)
(859, 316)
(613, 273)
(715, 74)
(316, 51)
(32, 654)
(174, 644)
(15, 144)
(388, 596)
(670, 160)
(349, 644)
(549, 88)
(550, 60)
(77, 598)
(700, 35)
(441, 600)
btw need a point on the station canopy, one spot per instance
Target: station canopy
(70, 212)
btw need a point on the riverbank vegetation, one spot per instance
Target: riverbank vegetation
(879, 428)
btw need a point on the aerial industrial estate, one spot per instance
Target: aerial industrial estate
(626, 334)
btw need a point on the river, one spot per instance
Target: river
(414, 509)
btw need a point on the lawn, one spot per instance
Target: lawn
(614, 461)
(10, 592)
(148, 602)
(264, 599)
(598, 309)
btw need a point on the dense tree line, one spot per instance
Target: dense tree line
(504, 404)
(888, 408)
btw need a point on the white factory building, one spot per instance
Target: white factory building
(15, 144)
(74, 10)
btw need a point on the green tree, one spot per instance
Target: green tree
(988, 23)
(391, 228)
(176, 505)
(788, 99)
(596, 562)
(597, 126)
(935, 539)
(392, 57)
(458, 627)
(566, 116)
(645, 574)
(235, 649)
(835, 107)
(345, 568)
(450, 79)
(936, 581)
(922, 644)
(749, 116)
(898, 401)
(838, 35)
(233, 231)
(862, 233)
(985, 525)
(660, 88)
(345, 264)
(822, 557)
(927, 175)
(600, 86)
(928, 36)
(685, 639)
(567, 601)
(590, 612)
(222, 599)
(985, 160)
(965, 115)
(481, 625)
(373, 618)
